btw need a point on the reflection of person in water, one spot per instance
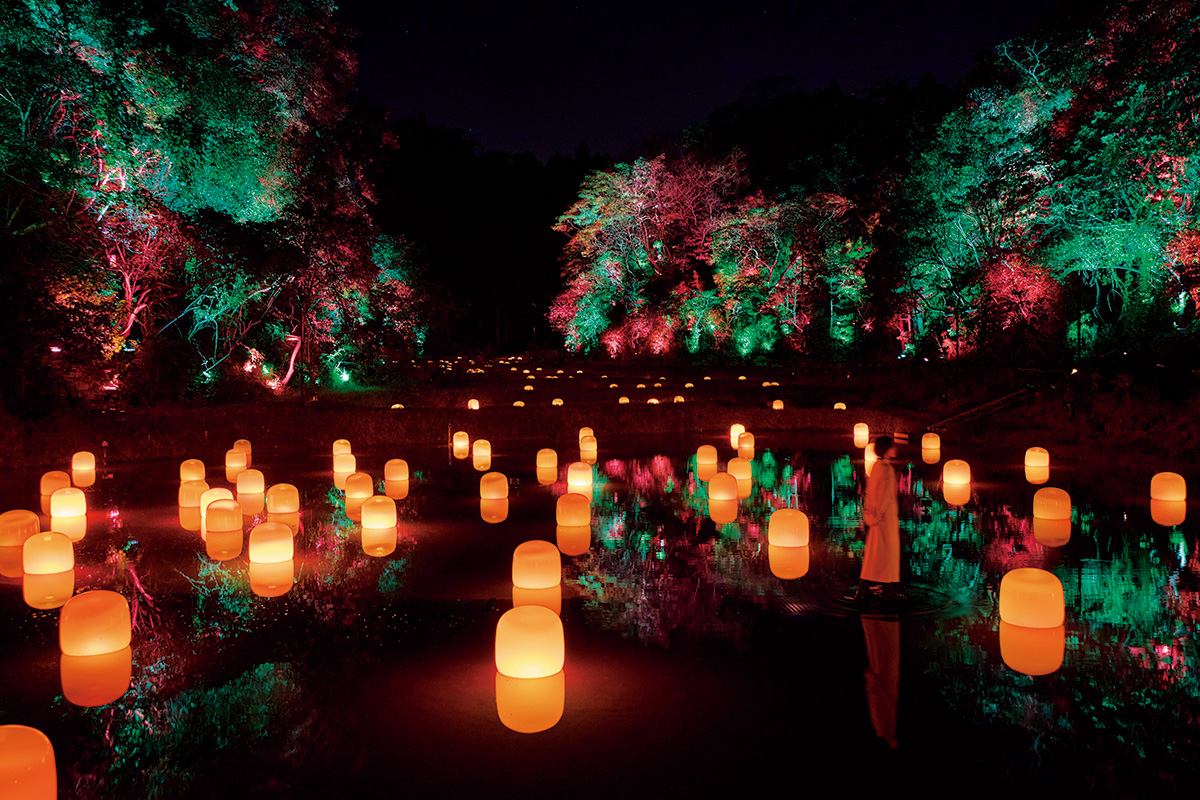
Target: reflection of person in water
(883, 675)
(881, 512)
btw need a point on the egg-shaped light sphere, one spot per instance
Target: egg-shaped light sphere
(191, 469)
(776, 405)
(27, 770)
(722, 512)
(359, 486)
(1168, 486)
(243, 445)
(585, 431)
(956, 494)
(529, 643)
(956, 471)
(678, 399)
(735, 430)
(68, 502)
(1037, 457)
(283, 498)
(1032, 598)
(54, 480)
(579, 476)
(537, 564)
(1168, 512)
(94, 681)
(706, 454)
(17, 525)
(493, 486)
(493, 510)
(344, 463)
(190, 493)
(210, 496)
(862, 434)
(341, 446)
(46, 553)
(518, 404)
(251, 482)
(573, 510)
(547, 459)
(93, 623)
(839, 406)
(235, 464)
(48, 591)
(396, 469)
(740, 468)
(653, 401)
(379, 511)
(271, 542)
(931, 441)
(1052, 503)
(460, 444)
(745, 445)
(472, 404)
(83, 461)
(223, 515)
(788, 527)
(271, 579)
(689, 385)
(622, 400)
(722, 486)
(588, 442)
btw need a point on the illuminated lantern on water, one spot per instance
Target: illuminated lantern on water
(745, 446)
(83, 478)
(235, 464)
(27, 770)
(493, 511)
(251, 482)
(274, 579)
(640, 386)
(93, 681)
(1032, 598)
(862, 434)
(1052, 516)
(777, 405)
(689, 385)
(573, 510)
(529, 643)
(47, 591)
(735, 430)
(223, 514)
(190, 493)
(341, 446)
(788, 527)
(1169, 486)
(481, 454)
(1037, 465)
(547, 459)
(722, 486)
(243, 445)
(54, 480)
(223, 545)
(380, 542)
(210, 496)
(395, 469)
(788, 563)
(706, 462)
(473, 404)
(536, 565)
(68, 513)
(271, 542)
(283, 498)
(83, 461)
(587, 449)
(528, 387)
(519, 404)
(956, 471)
(359, 486)
(1032, 651)
(579, 478)
(839, 406)
(493, 486)
(93, 623)
(740, 468)
(547, 476)
(573, 540)
(530, 705)
(16, 526)
(47, 553)
(956, 494)
(678, 399)
(623, 400)
(379, 512)
(931, 441)
(460, 444)
(653, 401)
(191, 469)
(556, 401)
(1168, 512)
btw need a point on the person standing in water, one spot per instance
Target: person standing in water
(880, 574)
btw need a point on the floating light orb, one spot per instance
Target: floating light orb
(252, 503)
(27, 770)
(243, 445)
(96, 680)
(397, 406)
(1037, 457)
(396, 489)
(271, 542)
(689, 385)
(1031, 598)
(788, 527)
(1168, 512)
(460, 444)
(556, 401)
(573, 510)
(776, 405)
(956, 471)
(359, 486)
(235, 464)
(272, 579)
(536, 564)
(379, 512)
(207, 498)
(706, 454)
(1037, 475)
(48, 590)
(395, 469)
(223, 514)
(530, 705)
(341, 446)
(1168, 486)
(653, 401)
(839, 406)
(862, 434)
(745, 446)
(54, 480)
(623, 400)
(251, 482)
(640, 386)
(573, 540)
(1052, 532)
(344, 464)
(1052, 503)
(735, 430)
(547, 459)
(587, 449)
(612, 386)
(528, 387)
(189, 517)
(380, 542)
(931, 441)
(493, 486)
(283, 498)
(519, 404)
(18, 525)
(579, 478)
(678, 399)
(95, 622)
(473, 404)
(191, 469)
(788, 563)
(68, 502)
(722, 486)
(493, 511)
(83, 461)
(481, 454)
(529, 643)
(707, 377)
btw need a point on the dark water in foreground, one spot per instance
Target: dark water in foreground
(690, 667)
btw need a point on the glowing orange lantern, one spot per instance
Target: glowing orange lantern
(243, 445)
(209, 497)
(777, 405)
(1037, 457)
(579, 478)
(689, 385)
(573, 540)
(460, 444)
(1031, 598)
(528, 387)
(745, 446)
(588, 444)
(83, 461)
(68, 502)
(10, 561)
(529, 643)
(573, 510)
(547, 476)
(283, 498)
(251, 482)
(862, 434)
(95, 622)
(735, 430)
(556, 401)
(931, 441)
(27, 770)
(96, 680)
(518, 404)
(223, 514)
(272, 580)
(788, 527)
(536, 565)
(344, 464)
(379, 512)
(956, 471)
(623, 400)
(47, 553)
(493, 511)
(1168, 486)
(223, 545)
(706, 454)
(722, 486)
(54, 480)
(380, 542)
(740, 468)
(16, 526)
(547, 459)
(530, 705)
(1052, 503)
(678, 399)
(395, 469)
(235, 464)
(341, 446)
(191, 469)
(473, 404)
(493, 486)
(271, 542)
(481, 454)
(839, 406)
(359, 486)
(788, 563)
(190, 493)
(48, 591)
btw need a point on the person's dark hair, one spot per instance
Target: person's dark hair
(883, 444)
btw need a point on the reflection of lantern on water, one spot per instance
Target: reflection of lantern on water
(223, 530)
(16, 526)
(956, 494)
(251, 482)
(529, 643)
(931, 456)
(493, 511)
(573, 540)
(283, 498)
(189, 518)
(481, 454)
(547, 476)
(788, 527)
(862, 434)
(395, 469)
(27, 770)
(1052, 516)
(530, 705)
(379, 542)
(745, 445)
(777, 405)
(1168, 512)
(272, 579)
(49, 590)
(191, 469)
(537, 575)
(359, 486)
(344, 464)
(547, 458)
(472, 404)
(47, 553)
(243, 445)
(740, 469)
(493, 486)
(223, 545)
(579, 478)
(341, 446)
(1168, 486)
(396, 490)
(252, 504)
(1031, 598)
(95, 622)
(528, 387)
(83, 461)
(460, 444)
(788, 563)
(585, 431)
(735, 430)
(190, 493)
(706, 462)
(83, 478)
(722, 512)
(587, 449)
(54, 480)
(271, 542)
(869, 458)
(1032, 651)
(235, 464)
(573, 509)
(96, 680)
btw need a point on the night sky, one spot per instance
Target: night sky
(543, 76)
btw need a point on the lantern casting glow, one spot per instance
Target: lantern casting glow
(27, 770)
(341, 446)
(271, 542)
(481, 454)
(573, 540)
(1031, 598)
(48, 591)
(1032, 651)
(47, 553)
(93, 681)
(191, 469)
(473, 404)
(536, 564)
(493, 486)
(530, 705)
(395, 469)
(931, 441)
(529, 643)
(788, 527)
(379, 512)
(54, 480)
(1168, 486)
(745, 446)
(243, 445)
(460, 444)
(579, 478)
(283, 498)
(735, 430)
(777, 405)
(235, 464)
(862, 434)
(956, 471)
(1037, 457)
(788, 563)
(251, 482)
(16, 526)
(547, 458)
(68, 502)
(83, 461)
(723, 486)
(1052, 503)
(93, 623)
(271, 580)
(573, 510)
